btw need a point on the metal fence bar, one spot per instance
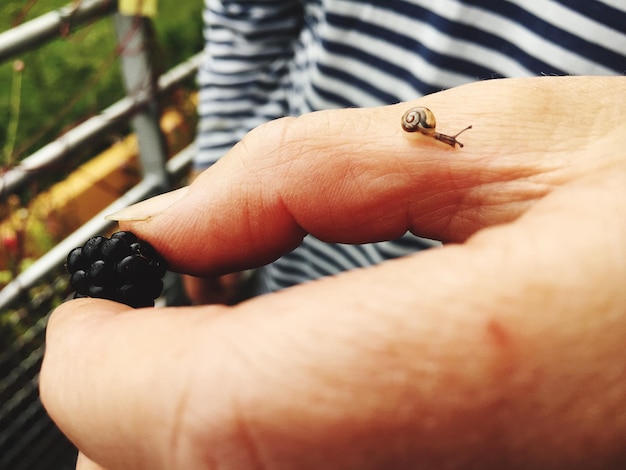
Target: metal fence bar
(180, 72)
(135, 45)
(45, 27)
(178, 165)
(56, 151)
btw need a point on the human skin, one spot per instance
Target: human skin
(502, 349)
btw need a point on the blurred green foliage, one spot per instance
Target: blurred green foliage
(74, 77)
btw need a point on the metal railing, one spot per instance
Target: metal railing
(46, 27)
(139, 107)
(28, 439)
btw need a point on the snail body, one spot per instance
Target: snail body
(422, 120)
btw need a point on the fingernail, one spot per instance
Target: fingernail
(144, 210)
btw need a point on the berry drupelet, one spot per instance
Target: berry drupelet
(122, 268)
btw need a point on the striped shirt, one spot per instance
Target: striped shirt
(271, 58)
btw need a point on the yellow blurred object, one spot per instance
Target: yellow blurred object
(92, 186)
(82, 194)
(138, 7)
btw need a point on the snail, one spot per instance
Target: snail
(422, 120)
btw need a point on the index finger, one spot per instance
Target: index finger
(355, 176)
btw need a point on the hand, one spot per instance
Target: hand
(503, 349)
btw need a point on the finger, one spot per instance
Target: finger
(355, 176)
(127, 407)
(83, 463)
(465, 356)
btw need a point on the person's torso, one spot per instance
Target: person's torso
(374, 52)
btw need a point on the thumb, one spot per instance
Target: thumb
(355, 176)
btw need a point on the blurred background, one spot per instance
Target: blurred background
(97, 110)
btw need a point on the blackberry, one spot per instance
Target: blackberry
(122, 268)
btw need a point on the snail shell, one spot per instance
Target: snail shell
(419, 119)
